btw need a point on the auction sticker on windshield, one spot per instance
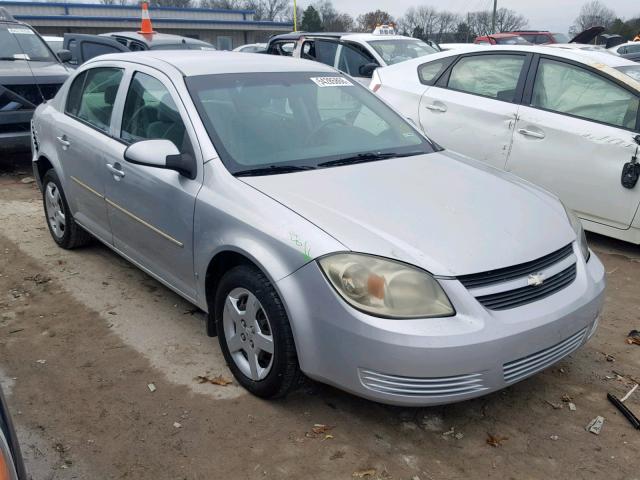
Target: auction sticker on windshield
(21, 31)
(331, 81)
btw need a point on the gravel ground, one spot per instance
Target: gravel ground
(83, 334)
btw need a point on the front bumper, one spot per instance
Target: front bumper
(438, 360)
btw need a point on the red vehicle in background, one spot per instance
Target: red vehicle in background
(501, 39)
(541, 37)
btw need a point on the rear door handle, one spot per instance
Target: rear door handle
(530, 133)
(436, 108)
(117, 172)
(64, 142)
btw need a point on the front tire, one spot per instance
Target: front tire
(254, 333)
(62, 227)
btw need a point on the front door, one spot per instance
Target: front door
(82, 136)
(472, 109)
(151, 209)
(574, 135)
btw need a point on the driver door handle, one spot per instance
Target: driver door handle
(117, 172)
(530, 133)
(436, 108)
(64, 142)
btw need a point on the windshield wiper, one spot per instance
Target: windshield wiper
(367, 157)
(273, 170)
(13, 59)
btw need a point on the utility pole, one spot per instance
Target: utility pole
(295, 16)
(493, 17)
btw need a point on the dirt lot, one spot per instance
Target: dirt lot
(83, 333)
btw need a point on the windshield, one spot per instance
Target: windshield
(632, 70)
(395, 50)
(517, 40)
(19, 42)
(560, 37)
(291, 119)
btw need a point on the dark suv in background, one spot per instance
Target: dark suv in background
(30, 73)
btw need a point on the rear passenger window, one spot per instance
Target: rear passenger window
(97, 89)
(565, 88)
(150, 113)
(493, 76)
(429, 72)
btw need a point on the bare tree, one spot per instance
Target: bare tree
(366, 22)
(224, 4)
(509, 20)
(427, 20)
(446, 23)
(506, 20)
(592, 14)
(274, 9)
(171, 3)
(332, 20)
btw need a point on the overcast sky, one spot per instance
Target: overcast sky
(555, 15)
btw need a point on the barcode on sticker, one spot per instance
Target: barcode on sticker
(21, 31)
(331, 82)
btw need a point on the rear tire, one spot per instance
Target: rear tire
(251, 320)
(62, 227)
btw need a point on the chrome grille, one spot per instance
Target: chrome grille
(536, 362)
(422, 387)
(500, 275)
(531, 293)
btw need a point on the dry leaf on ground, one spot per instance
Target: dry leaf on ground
(370, 472)
(495, 440)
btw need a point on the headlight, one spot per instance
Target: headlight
(384, 287)
(576, 224)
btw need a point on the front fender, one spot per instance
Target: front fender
(231, 216)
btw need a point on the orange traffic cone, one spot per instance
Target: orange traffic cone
(145, 25)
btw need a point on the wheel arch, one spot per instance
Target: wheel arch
(40, 167)
(221, 262)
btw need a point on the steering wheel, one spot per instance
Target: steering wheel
(133, 121)
(329, 121)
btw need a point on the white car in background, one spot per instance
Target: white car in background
(624, 48)
(565, 119)
(251, 48)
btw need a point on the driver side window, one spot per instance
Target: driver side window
(150, 113)
(351, 59)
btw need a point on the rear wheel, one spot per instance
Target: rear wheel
(63, 228)
(254, 333)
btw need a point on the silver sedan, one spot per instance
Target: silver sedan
(322, 232)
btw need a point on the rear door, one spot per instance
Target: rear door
(85, 47)
(575, 131)
(473, 106)
(83, 135)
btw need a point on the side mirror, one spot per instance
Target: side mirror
(367, 69)
(64, 55)
(161, 154)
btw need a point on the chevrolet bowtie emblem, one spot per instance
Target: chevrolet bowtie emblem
(535, 279)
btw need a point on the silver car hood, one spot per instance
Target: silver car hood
(448, 215)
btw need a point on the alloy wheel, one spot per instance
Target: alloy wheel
(248, 334)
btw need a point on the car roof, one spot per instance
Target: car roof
(155, 39)
(207, 62)
(625, 44)
(364, 37)
(568, 51)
